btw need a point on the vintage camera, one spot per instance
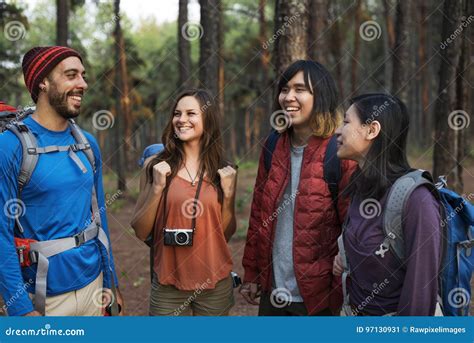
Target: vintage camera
(178, 237)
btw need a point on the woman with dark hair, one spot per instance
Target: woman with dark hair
(294, 220)
(187, 196)
(374, 134)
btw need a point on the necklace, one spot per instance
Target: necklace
(193, 180)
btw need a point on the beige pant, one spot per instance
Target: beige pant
(166, 300)
(86, 301)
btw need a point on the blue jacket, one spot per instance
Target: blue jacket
(57, 204)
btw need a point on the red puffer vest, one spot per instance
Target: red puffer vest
(316, 226)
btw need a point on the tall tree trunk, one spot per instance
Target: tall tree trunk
(317, 30)
(389, 43)
(463, 93)
(220, 55)
(184, 48)
(355, 59)
(209, 57)
(424, 70)
(126, 105)
(265, 91)
(400, 52)
(291, 30)
(389, 23)
(335, 46)
(119, 113)
(62, 16)
(446, 149)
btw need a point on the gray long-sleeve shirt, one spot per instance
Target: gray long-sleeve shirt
(283, 268)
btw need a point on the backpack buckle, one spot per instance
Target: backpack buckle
(80, 239)
(22, 127)
(32, 151)
(74, 147)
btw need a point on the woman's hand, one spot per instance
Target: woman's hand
(228, 180)
(160, 172)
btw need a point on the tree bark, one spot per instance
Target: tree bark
(335, 46)
(463, 95)
(209, 47)
(317, 30)
(424, 68)
(355, 59)
(184, 48)
(265, 87)
(291, 30)
(62, 16)
(400, 52)
(446, 149)
(119, 112)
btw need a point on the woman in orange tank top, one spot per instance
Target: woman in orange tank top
(186, 202)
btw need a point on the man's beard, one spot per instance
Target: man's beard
(59, 103)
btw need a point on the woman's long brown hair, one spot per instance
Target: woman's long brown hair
(211, 146)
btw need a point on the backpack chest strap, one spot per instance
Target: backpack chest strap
(58, 148)
(72, 149)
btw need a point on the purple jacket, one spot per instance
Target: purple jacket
(382, 285)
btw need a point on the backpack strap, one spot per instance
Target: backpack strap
(346, 305)
(30, 157)
(396, 202)
(269, 148)
(332, 171)
(82, 142)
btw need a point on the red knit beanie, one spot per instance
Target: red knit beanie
(40, 61)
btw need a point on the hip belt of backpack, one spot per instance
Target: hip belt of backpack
(35, 252)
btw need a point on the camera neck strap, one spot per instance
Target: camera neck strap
(195, 202)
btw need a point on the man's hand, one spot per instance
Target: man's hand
(250, 291)
(33, 314)
(107, 298)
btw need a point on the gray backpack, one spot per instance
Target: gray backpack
(393, 225)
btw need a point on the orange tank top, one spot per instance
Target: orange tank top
(208, 260)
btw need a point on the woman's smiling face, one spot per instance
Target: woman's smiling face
(352, 139)
(188, 119)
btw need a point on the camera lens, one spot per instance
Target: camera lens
(182, 238)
